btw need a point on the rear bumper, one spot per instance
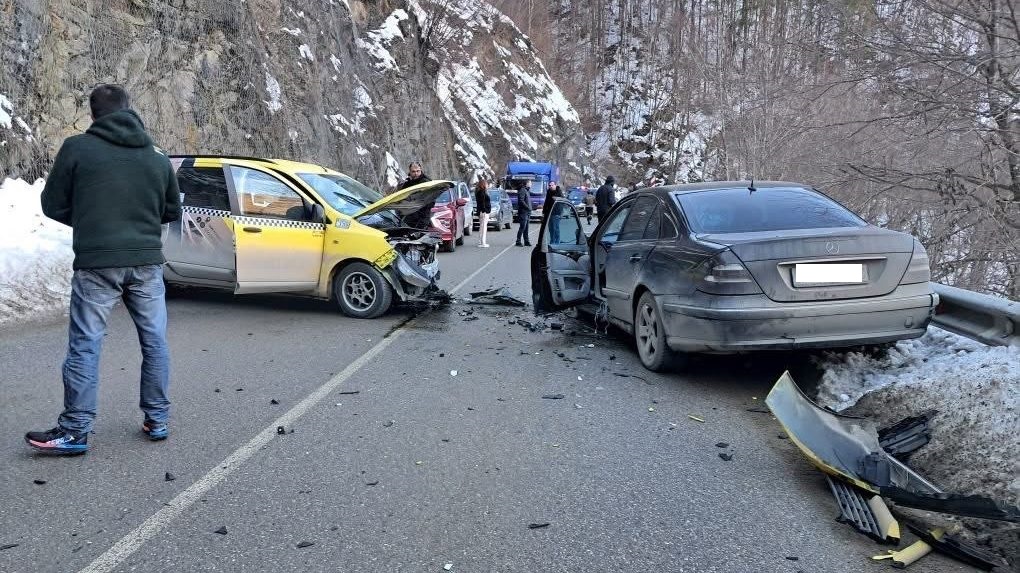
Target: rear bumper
(757, 323)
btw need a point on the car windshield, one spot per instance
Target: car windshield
(494, 194)
(444, 197)
(342, 193)
(765, 209)
(576, 196)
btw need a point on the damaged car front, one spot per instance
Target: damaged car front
(390, 231)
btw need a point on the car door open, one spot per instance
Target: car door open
(560, 269)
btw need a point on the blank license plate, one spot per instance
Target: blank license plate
(828, 273)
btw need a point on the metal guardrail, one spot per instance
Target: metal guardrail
(992, 320)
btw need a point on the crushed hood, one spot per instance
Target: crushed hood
(410, 200)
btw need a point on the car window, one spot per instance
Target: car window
(563, 227)
(262, 195)
(343, 193)
(667, 230)
(444, 197)
(204, 187)
(652, 228)
(643, 212)
(765, 209)
(611, 234)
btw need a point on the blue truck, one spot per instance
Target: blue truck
(535, 176)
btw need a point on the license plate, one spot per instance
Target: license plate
(805, 274)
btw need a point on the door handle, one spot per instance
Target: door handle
(252, 230)
(635, 258)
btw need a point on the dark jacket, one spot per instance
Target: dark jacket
(409, 182)
(604, 199)
(482, 201)
(523, 203)
(550, 198)
(114, 189)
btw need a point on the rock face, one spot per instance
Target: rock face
(361, 86)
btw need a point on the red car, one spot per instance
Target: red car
(449, 217)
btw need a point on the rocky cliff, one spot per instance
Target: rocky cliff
(362, 86)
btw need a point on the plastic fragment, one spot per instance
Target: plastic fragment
(695, 418)
(222, 530)
(726, 457)
(537, 525)
(304, 544)
(169, 477)
(39, 481)
(553, 397)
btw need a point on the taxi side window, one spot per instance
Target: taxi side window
(262, 195)
(204, 187)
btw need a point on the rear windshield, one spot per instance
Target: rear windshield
(766, 209)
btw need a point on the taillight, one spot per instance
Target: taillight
(441, 220)
(725, 274)
(919, 268)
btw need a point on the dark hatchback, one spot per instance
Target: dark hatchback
(732, 266)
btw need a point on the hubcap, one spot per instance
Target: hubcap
(647, 332)
(359, 291)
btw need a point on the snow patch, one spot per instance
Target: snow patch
(392, 171)
(292, 31)
(273, 89)
(6, 109)
(306, 52)
(377, 41)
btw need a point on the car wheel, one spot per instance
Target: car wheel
(361, 291)
(499, 226)
(450, 245)
(460, 241)
(467, 229)
(650, 336)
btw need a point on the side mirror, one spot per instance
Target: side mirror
(461, 202)
(318, 214)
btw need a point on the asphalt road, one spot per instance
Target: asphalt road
(417, 468)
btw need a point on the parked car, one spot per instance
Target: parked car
(732, 266)
(576, 197)
(449, 219)
(502, 214)
(464, 192)
(271, 225)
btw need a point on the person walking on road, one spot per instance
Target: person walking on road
(115, 189)
(484, 205)
(589, 205)
(523, 214)
(605, 198)
(551, 195)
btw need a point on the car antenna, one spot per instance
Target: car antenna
(751, 187)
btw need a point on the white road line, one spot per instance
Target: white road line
(130, 543)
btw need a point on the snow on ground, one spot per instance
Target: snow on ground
(35, 256)
(975, 436)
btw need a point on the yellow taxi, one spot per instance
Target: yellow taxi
(254, 225)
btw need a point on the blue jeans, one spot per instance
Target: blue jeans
(93, 295)
(522, 229)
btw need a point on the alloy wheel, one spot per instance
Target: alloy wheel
(359, 291)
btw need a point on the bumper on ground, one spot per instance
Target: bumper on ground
(757, 323)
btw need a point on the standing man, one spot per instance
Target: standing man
(415, 175)
(114, 188)
(551, 195)
(484, 206)
(605, 198)
(523, 214)
(589, 204)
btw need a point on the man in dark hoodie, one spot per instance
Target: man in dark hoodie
(415, 175)
(605, 197)
(114, 189)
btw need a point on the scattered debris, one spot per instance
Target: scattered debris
(240, 389)
(39, 481)
(612, 357)
(793, 558)
(169, 477)
(221, 530)
(501, 296)
(759, 410)
(722, 445)
(448, 566)
(537, 525)
(578, 406)
(957, 548)
(782, 436)
(387, 424)
(282, 430)
(349, 392)
(373, 483)
(304, 544)
(470, 318)
(274, 402)
(553, 397)
(453, 372)
(906, 436)
(865, 511)
(695, 418)
(8, 546)
(556, 325)
(726, 457)
(651, 409)
(216, 390)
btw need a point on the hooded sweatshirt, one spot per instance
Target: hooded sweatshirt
(114, 189)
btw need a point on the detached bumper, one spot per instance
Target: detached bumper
(757, 323)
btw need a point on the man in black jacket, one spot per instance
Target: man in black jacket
(114, 188)
(605, 198)
(523, 214)
(420, 218)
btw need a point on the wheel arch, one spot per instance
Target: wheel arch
(339, 266)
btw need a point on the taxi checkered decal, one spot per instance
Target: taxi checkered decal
(280, 223)
(206, 212)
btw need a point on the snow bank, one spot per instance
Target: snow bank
(35, 256)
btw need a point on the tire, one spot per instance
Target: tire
(499, 226)
(361, 291)
(450, 245)
(460, 241)
(650, 337)
(468, 226)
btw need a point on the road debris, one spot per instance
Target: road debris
(453, 372)
(304, 544)
(372, 483)
(537, 525)
(7, 546)
(722, 445)
(695, 418)
(553, 397)
(388, 423)
(349, 392)
(865, 511)
(39, 481)
(726, 457)
(759, 410)
(906, 436)
(281, 430)
(448, 566)
(221, 530)
(499, 296)
(274, 402)
(169, 477)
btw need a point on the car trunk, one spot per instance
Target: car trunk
(821, 264)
